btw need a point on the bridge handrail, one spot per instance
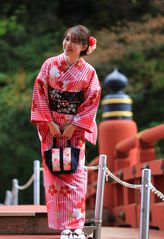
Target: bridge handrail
(144, 139)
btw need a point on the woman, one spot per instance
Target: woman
(67, 72)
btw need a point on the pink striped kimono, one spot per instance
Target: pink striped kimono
(65, 194)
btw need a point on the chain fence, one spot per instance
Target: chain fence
(108, 173)
(134, 186)
(125, 184)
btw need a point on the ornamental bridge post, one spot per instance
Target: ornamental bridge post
(117, 125)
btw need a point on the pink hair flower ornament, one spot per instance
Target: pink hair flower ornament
(92, 45)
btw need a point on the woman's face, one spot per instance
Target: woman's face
(72, 47)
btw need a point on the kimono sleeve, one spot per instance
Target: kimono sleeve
(85, 117)
(40, 111)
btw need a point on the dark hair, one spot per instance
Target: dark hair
(81, 34)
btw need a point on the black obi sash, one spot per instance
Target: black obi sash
(65, 102)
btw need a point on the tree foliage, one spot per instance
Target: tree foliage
(130, 38)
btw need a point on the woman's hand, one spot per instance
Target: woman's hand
(68, 131)
(54, 129)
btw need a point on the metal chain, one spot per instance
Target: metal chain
(129, 185)
(134, 186)
(91, 167)
(157, 192)
(26, 185)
